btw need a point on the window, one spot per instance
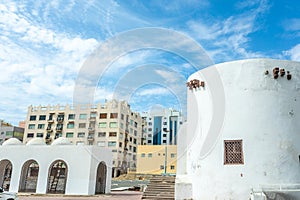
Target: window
(149, 135)
(112, 144)
(32, 118)
(113, 125)
(31, 126)
(70, 125)
(165, 123)
(120, 144)
(121, 135)
(233, 152)
(150, 123)
(69, 134)
(102, 125)
(80, 143)
(30, 135)
(81, 125)
(164, 141)
(173, 155)
(122, 116)
(133, 157)
(41, 126)
(112, 134)
(114, 151)
(131, 130)
(103, 115)
(82, 116)
(121, 125)
(40, 135)
(42, 117)
(81, 134)
(113, 115)
(59, 126)
(134, 141)
(134, 149)
(149, 141)
(143, 155)
(93, 115)
(149, 155)
(60, 117)
(135, 124)
(135, 133)
(149, 129)
(101, 143)
(130, 139)
(162, 167)
(172, 167)
(9, 133)
(71, 116)
(102, 134)
(51, 116)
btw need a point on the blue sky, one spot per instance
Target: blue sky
(44, 44)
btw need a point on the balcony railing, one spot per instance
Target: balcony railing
(59, 128)
(91, 129)
(92, 118)
(60, 119)
(90, 137)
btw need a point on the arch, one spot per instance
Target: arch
(57, 177)
(5, 173)
(101, 178)
(29, 176)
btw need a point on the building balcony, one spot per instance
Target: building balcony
(90, 137)
(91, 129)
(49, 130)
(60, 119)
(93, 119)
(50, 120)
(59, 129)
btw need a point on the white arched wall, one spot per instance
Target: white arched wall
(81, 160)
(263, 112)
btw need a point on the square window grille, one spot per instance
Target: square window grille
(233, 152)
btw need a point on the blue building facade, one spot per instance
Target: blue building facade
(161, 127)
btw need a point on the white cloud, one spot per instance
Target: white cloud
(230, 36)
(38, 65)
(169, 76)
(294, 53)
(292, 24)
(153, 91)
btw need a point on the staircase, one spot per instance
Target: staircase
(160, 187)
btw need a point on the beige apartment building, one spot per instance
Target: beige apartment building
(157, 159)
(112, 125)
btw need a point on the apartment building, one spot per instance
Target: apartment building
(112, 125)
(8, 131)
(157, 159)
(162, 126)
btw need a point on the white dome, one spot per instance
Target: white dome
(61, 141)
(36, 141)
(12, 141)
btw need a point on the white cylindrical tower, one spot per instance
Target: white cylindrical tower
(244, 131)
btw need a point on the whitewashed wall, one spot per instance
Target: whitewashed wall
(82, 162)
(262, 111)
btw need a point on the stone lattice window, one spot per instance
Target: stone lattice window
(233, 152)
